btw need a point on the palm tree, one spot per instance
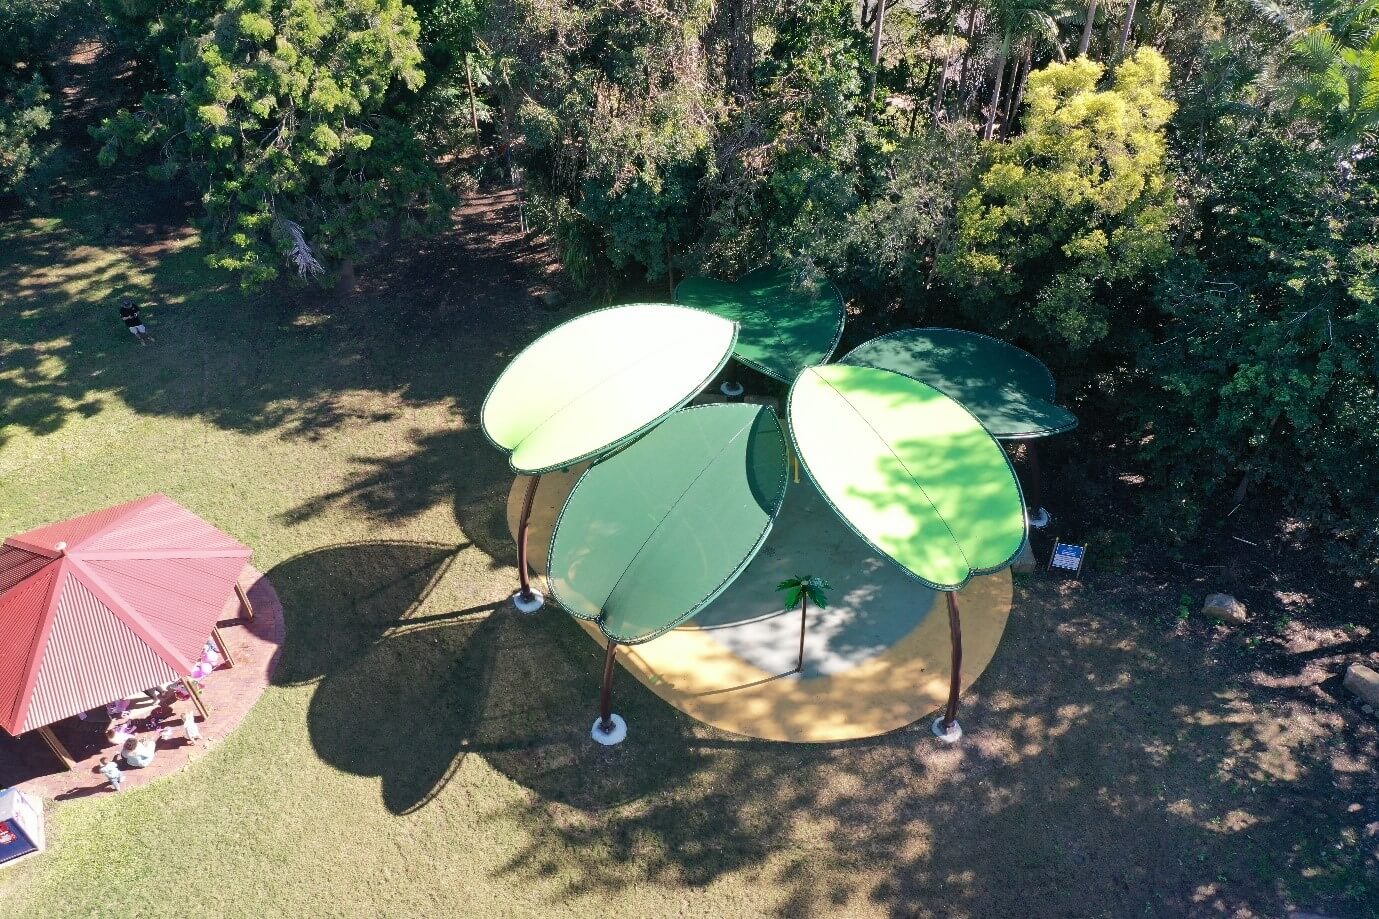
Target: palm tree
(802, 589)
(1330, 66)
(1018, 21)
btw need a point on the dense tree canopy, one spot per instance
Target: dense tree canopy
(1174, 203)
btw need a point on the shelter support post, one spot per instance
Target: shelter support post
(946, 727)
(950, 714)
(244, 604)
(606, 693)
(57, 747)
(196, 697)
(608, 729)
(222, 646)
(1038, 517)
(526, 599)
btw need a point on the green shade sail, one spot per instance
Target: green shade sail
(783, 328)
(651, 535)
(910, 470)
(1009, 390)
(599, 380)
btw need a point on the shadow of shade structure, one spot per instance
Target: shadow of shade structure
(916, 475)
(1009, 390)
(782, 327)
(652, 535)
(594, 384)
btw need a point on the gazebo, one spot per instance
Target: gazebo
(105, 605)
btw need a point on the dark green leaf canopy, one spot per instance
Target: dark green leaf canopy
(651, 535)
(1009, 390)
(782, 328)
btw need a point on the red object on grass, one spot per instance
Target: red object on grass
(103, 606)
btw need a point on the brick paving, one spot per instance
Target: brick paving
(229, 693)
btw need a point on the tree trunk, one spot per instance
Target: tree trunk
(1086, 42)
(473, 111)
(942, 85)
(878, 22)
(995, 94)
(1011, 83)
(967, 52)
(1017, 97)
(740, 24)
(804, 611)
(1125, 32)
(344, 285)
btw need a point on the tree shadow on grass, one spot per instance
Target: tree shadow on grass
(1111, 767)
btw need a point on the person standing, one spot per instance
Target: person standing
(129, 312)
(111, 770)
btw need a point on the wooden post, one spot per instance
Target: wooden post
(195, 693)
(244, 603)
(950, 714)
(58, 749)
(522, 527)
(606, 694)
(224, 648)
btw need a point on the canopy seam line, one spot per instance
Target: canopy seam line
(922, 489)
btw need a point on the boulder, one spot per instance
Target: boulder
(1224, 608)
(1024, 562)
(1364, 682)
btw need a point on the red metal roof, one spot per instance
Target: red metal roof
(102, 606)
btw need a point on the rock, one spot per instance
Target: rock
(1364, 682)
(1024, 562)
(1224, 608)
(553, 299)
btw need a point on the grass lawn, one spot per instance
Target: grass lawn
(424, 750)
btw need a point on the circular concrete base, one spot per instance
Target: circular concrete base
(609, 738)
(876, 659)
(952, 735)
(1039, 518)
(529, 605)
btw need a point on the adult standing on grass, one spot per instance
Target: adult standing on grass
(129, 312)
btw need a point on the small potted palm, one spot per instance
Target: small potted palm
(801, 590)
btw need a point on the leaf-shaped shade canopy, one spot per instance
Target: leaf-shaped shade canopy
(910, 470)
(651, 535)
(782, 328)
(598, 381)
(1008, 389)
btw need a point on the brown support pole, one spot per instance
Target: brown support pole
(522, 527)
(195, 693)
(606, 694)
(56, 746)
(244, 603)
(224, 648)
(804, 611)
(950, 713)
(1036, 486)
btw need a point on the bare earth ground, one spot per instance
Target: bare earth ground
(424, 750)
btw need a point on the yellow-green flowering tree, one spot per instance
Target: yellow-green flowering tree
(1061, 231)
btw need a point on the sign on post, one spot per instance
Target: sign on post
(1067, 557)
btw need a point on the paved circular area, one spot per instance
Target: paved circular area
(27, 763)
(875, 660)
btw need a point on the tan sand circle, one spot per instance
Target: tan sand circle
(867, 670)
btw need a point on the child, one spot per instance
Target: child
(112, 773)
(129, 312)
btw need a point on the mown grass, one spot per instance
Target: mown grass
(423, 751)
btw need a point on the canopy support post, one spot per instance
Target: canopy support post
(190, 685)
(222, 646)
(526, 600)
(609, 729)
(1038, 517)
(245, 606)
(947, 728)
(59, 750)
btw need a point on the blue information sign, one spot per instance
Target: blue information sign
(1066, 557)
